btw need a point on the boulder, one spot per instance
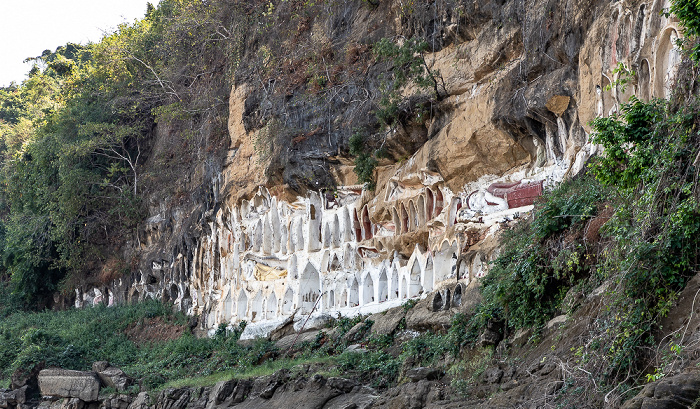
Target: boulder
(116, 402)
(173, 399)
(421, 318)
(556, 322)
(64, 383)
(521, 337)
(342, 384)
(489, 337)
(27, 376)
(10, 399)
(266, 386)
(388, 322)
(492, 375)
(359, 400)
(679, 391)
(141, 401)
(357, 332)
(356, 348)
(111, 376)
(284, 329)
(318, 321)
(420, 373)
(492, 335)
(221, 391)
(295, 339)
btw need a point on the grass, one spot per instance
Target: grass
(265, 369)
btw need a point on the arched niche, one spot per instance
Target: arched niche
(428, 275)
(315, 223)
(429, 203)
(186, 302)
(245, 209)
(309, 288)
(343, 300)
(256, 313)
(610, 50)
(257, 236)
(357, 226)
(288, 302)
(414, 286)
(347, 225)
(174, 292)
(608, 100)
(331, 299)
(396, 220)
(348, 256)
(260, 203)
(267, 236)
(455, 205)
(367, 290)
(383, 287)
(439, 203)
(404, 219)
(299, 235)
(284, 239)
(457, 296)
(668, 57)
(292, 267)
(276, 230)
(335, 232)
(403, 292)
(644, 81)
(271, 307)
(421, 211)
(335, 263)
(242, 305)
(354, 294)
(413, 216)
(366, 223)
(477, 266)
(655, 17)
(327, 239)
(326, 261)
(445, 261)
(228, 307)
(463, 269)
(437, 303)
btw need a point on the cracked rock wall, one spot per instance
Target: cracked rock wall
(523, 81)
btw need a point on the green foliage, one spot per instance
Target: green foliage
(688, 12)
(525, 286)
(376, 367)
(408, 305)
(624, 76)
(74, 339)
(408, 60)
(631, 141)
(74, 136)
(656, 228)
(365, 163)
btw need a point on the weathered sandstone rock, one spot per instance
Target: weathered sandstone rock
(12, 398)
(112, 376)
(69, 384)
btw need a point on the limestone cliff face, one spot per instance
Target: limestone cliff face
(284, 227)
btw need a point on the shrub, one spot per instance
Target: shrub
(526, 282)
